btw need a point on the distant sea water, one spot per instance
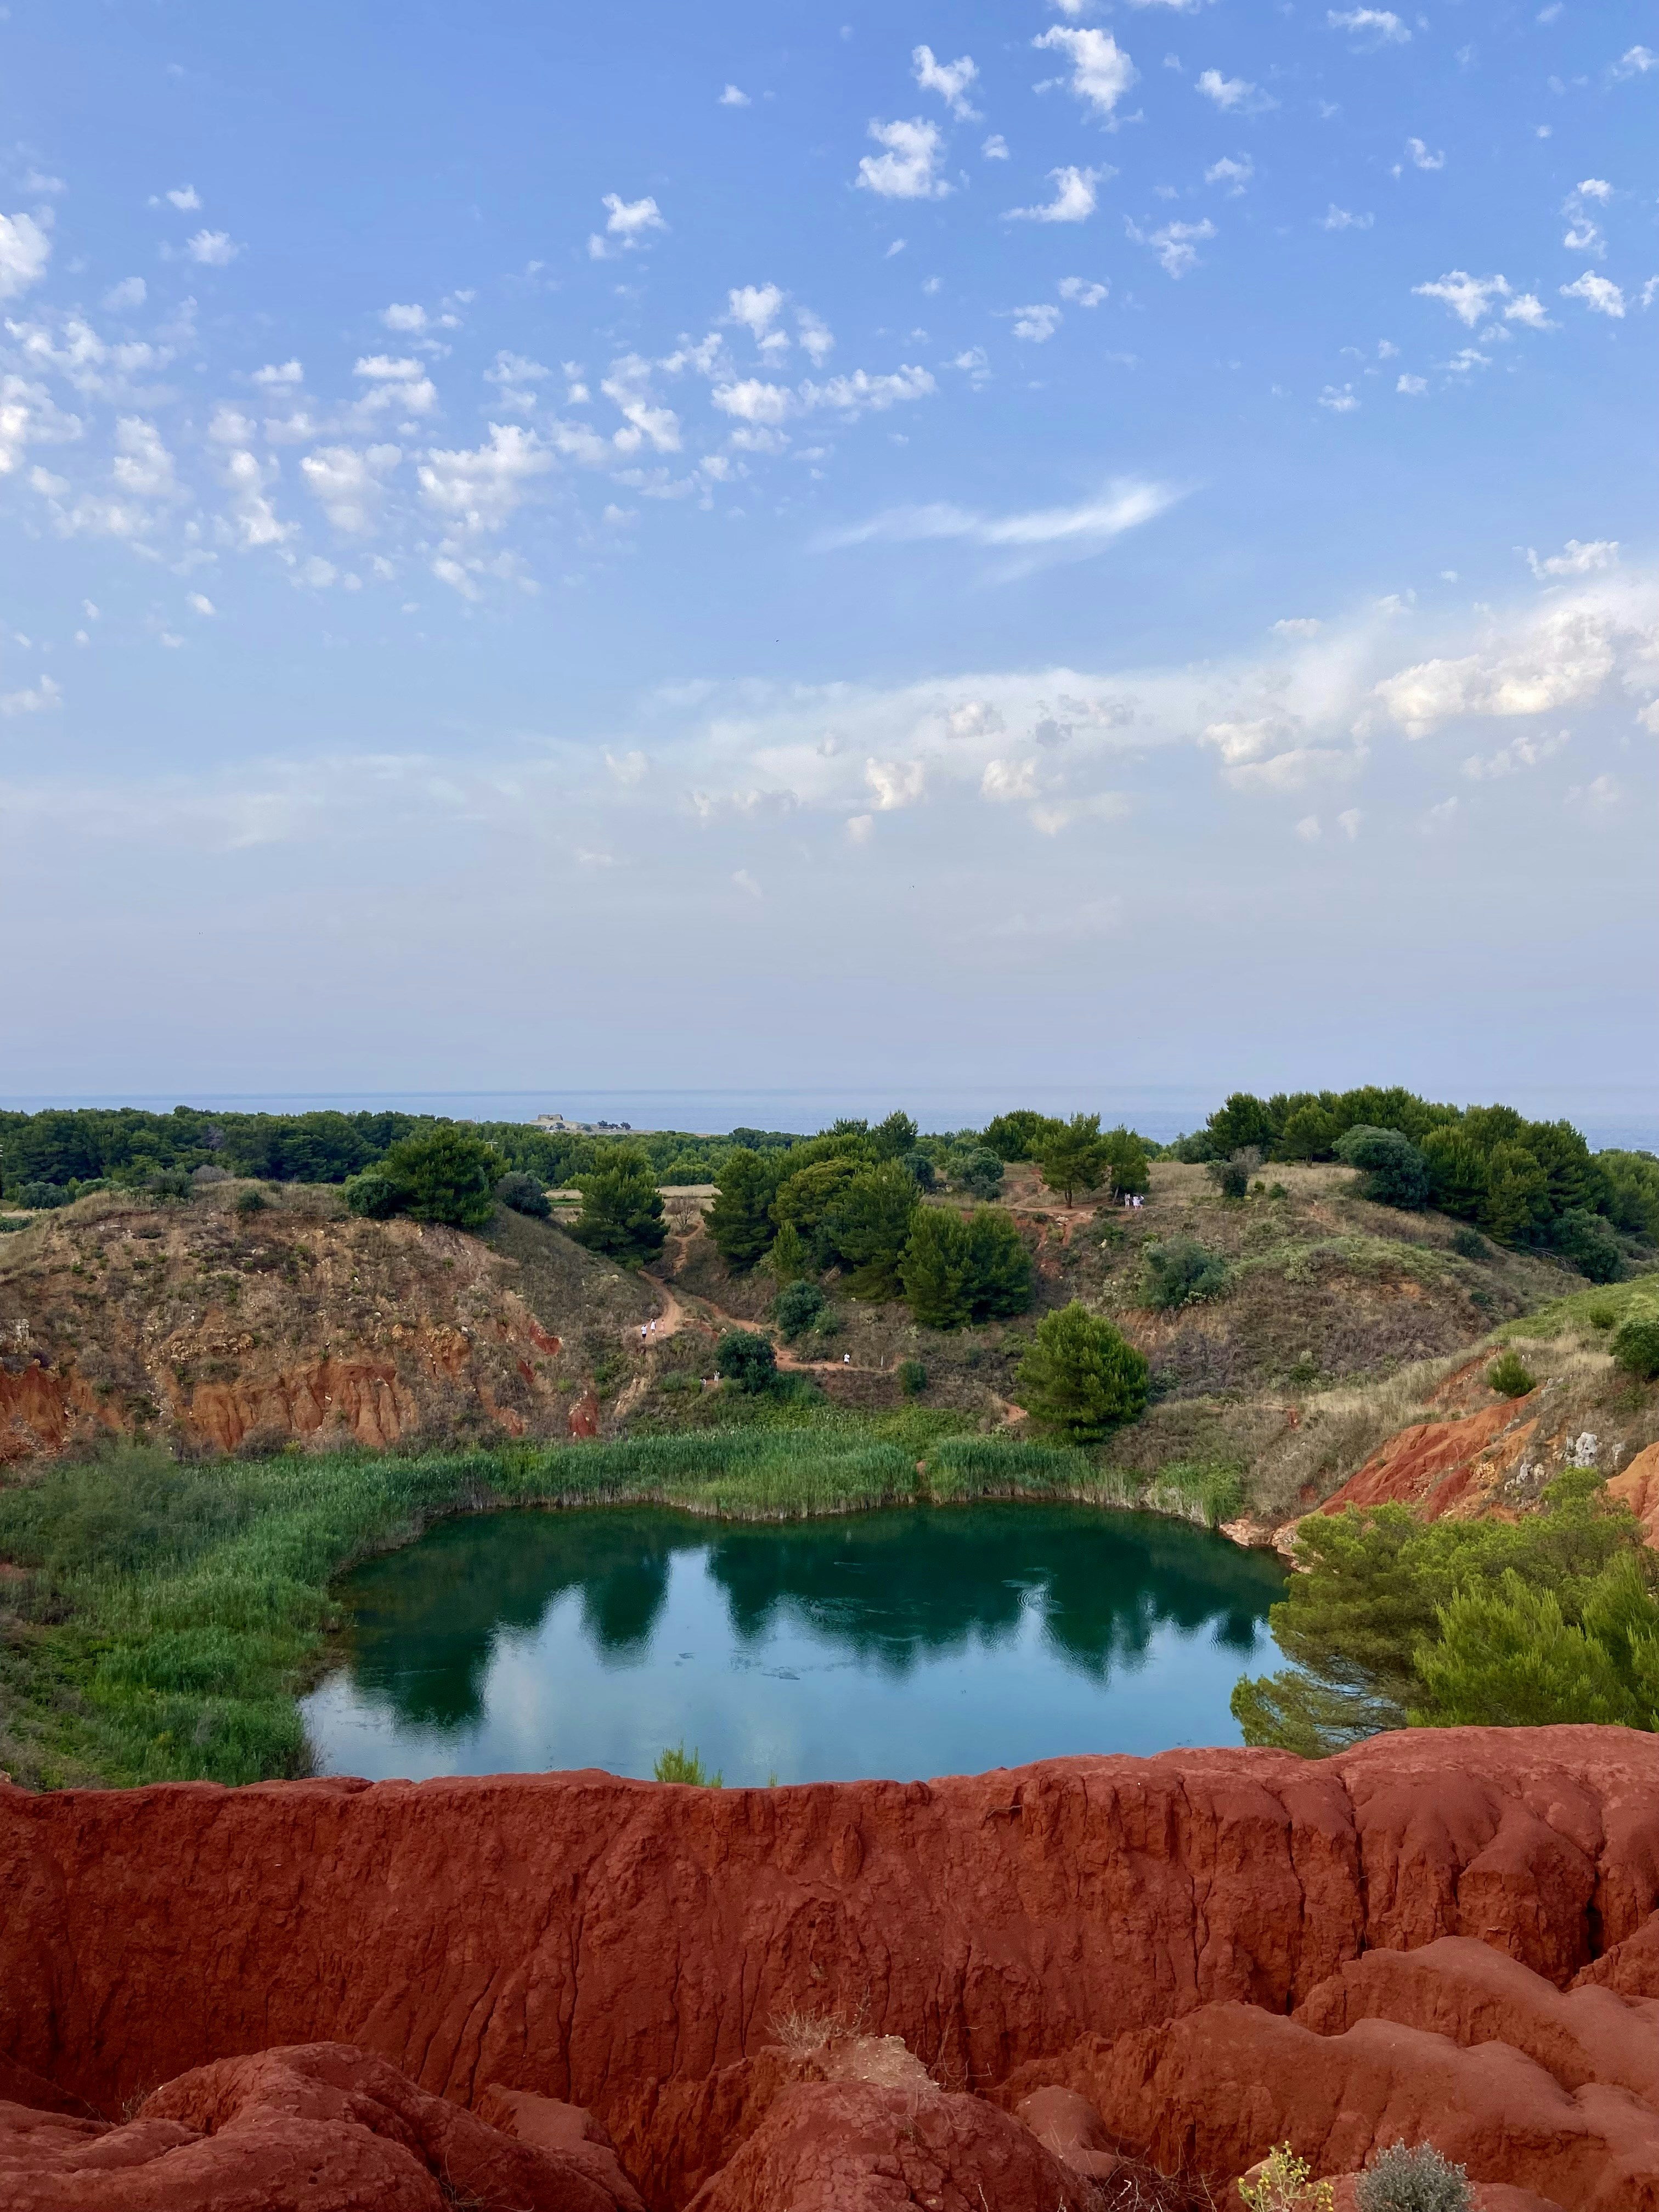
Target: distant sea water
(1627, 1117)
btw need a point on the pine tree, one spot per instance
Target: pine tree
(622, 1209)
(739, 1222)
(869, 1226)
(934, 1269)
(999, 1279)
(1074, 1156)
(1080, 1379)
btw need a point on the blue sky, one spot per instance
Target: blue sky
(1088, 543)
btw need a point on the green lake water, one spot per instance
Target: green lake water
(910, 1643)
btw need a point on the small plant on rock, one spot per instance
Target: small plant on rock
(1415, 2180)
(1285, 2183)
(678, 1764)
(1510, 1376)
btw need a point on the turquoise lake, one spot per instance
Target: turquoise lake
(907, 1644)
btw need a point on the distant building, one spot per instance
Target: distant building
(557, 1125)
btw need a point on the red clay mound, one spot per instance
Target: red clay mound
(688, 1964)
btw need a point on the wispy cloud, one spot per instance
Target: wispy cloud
(1039, 533)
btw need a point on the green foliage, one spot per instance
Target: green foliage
(372, 1195)
(1510, 1376)
(920, 1168)
(1201, 1490)
(1587, 1240)
(1396, 1172)
(1230, 1177)
(960, 1467)
(1470, 1244)
(622, 1209)
(1508, 1657)
(1242, 1123)
(1179, 1271)
(806, 1200)
(867, 1225)
(678, 1764)
(893, 1138)
(1632, 1181)
(912, 1377)
(1418, 2179)
(1080, 1379)
(799, 1305)
(1457, 1172)
(789, 1259)
(42, 1197)
(739, 1222)
(954, 1271)
(1516, 1204)
(1363, 1625)
(446, 1175)
(1287, 2184)
(745, 1359)
(1073, 1155)
(524, 1193)
(1128, 1160)
(1019, 1135)
(981, 1173)
(1636, 1346)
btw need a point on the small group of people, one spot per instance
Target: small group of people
(1133, 1198)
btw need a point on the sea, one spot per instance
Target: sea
(1626, 1117)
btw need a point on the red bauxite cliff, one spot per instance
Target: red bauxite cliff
(860, 1995)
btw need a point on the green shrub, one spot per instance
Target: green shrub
(1636, 1346)
(167, 1183)
(43, 1197)
(678, 1764)
(1019, 1135)
(1601, 1316)
(1510, 1376)
(798, 1306)
(1470, 1244)
(622, 1208)
(1179, 1271)
(745, 1359)
(255, 1201)
(446, 1175)
(1396, 1172)
(524, 1193)
(1230, 1177)
(912, 1377)
(1587, 1240)
(373, 1195)
(1200, 1490)
(920, 1168)
(11, 1223)
(1080, 1379)
(1418, 2179)
(954, 1271)
(980, 1173)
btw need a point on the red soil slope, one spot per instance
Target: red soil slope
(1451, 1933)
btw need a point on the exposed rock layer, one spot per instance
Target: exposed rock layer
(1445, 1933)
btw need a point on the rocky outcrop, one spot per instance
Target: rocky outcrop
(768, 1994)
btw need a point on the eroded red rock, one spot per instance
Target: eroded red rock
(1444, 1934)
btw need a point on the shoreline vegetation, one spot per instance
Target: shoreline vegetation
(167, 1615)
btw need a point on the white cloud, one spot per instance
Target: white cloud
(644, 420)
(751, 400)
(143, 466)
(1298, 626)
(1073, 200)
(908, 170)
(1378, 26)
(1349, 821)
(817, 339)
(630, 769)
(1234, 174)
(514, 377)
(348, 483)
(1528, 309)
(853, 395)
(1595, 188)
(184, 198)
(41, 699)
(1468, 297)
(733, 98)
(756, 308)
(199, 602)
(395, 386)
(1597, 293)
(36, 180)
(1520, 753)
(1232, 93)
(130, 292)
(894, 783)
(477, 488)
(1308, 829)
(629, 223)
(1339, 400)
(974, 718)
(25, 250)
(280, 375)
(1081, 292)
(952, 80)
(1177, 244)
(409, 319)
(995, 147)
(1101, 71)
(1636, 61)
(1008, 780)
(1577, 559)
(1035, 326)
(1417, 155)
(1336, 218)
(212, 249)
(1123, 506)
(1413, 386)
